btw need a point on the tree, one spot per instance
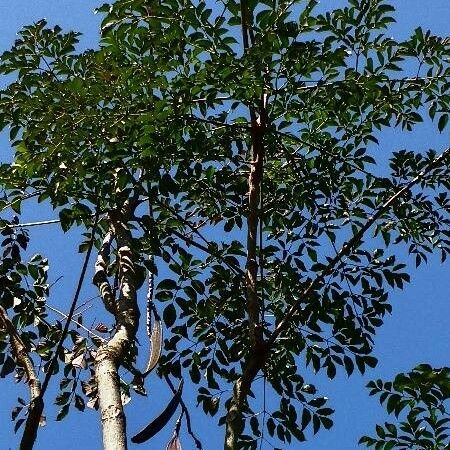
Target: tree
(260, 120)
(423, 393)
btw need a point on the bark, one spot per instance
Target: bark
(101, 277)
(35, 411)
(23, 359)
(113, 353)
(235, 421)
(111, 408)
(251, 274)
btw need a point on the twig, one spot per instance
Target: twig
(237, 270)
(78, 324)
(72, 306)
(32, 224)
(307, 85)
(24, 197)
(189, 241)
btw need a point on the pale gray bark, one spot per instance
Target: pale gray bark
(108, 382)
(126, 313)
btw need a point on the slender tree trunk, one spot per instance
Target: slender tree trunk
(111, 409)
(126, 312)
(235, 421)
(36, 402)
(35, 411)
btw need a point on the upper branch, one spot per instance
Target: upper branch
(351, 244)
(100, 276)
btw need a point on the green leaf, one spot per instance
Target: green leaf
(306, 418)
(390, 445)
(443, 121)
(8, 367)
(270, 426)
(169, 315)
(167, 284)
(348, 363)
(380, 431)
(392, 402)
(63, 412)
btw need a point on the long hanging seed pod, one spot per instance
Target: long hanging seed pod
(149, 299)
(154, 331)
(157, 424)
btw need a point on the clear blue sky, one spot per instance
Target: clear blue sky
(418, 330)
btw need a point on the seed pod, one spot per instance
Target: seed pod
(156, 342)
(156, 425)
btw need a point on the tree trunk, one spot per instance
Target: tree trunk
(126, 312)
(235, 422)
(32, 424)
(36, 402)
(111, 408)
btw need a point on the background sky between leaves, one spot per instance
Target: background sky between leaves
(418, 331)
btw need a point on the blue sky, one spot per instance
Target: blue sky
(418, 330)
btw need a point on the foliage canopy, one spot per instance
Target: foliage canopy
(188, 128)
(422, 395)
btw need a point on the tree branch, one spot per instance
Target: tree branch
(306, 85)
(350, 245)
(24, 360)
(75, 321)
(100, 278)
(190, 241)
(34, 224)
(25, 196)
(30, 432)
(236, 269)
(257, 359)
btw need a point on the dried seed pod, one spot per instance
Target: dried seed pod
(157, 424)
